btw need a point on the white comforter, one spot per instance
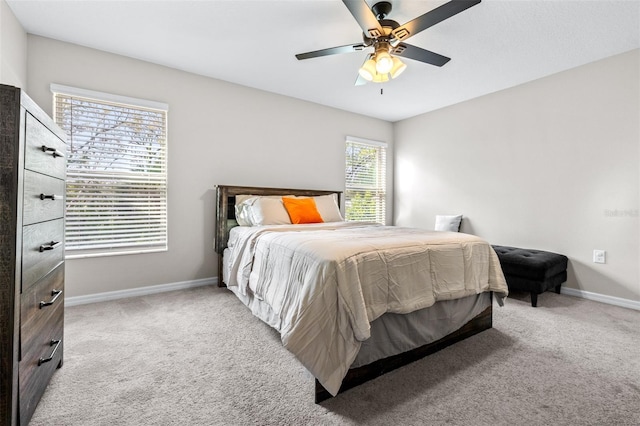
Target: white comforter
(327, 282)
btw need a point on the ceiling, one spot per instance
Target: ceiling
(494, 45)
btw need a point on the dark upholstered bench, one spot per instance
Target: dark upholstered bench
(535, 271)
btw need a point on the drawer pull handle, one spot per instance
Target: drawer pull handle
(50, 246)
(48, 197)
(55, 294)
(53, 151)
(55, 343)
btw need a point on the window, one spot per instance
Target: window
(116, 198)
(365, 187)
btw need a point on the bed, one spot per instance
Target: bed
(351, 300)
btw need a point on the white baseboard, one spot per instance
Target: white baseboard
(143, 291)
(140, 291)
(618, 301)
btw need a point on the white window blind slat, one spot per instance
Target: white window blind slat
(365, 180)
(116, 198)
(123, 236)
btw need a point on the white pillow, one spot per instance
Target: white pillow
(269, 211)
(243, 213)
(328, 208)
(449, 223)
(255, 210)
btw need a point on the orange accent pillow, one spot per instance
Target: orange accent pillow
(302, 210)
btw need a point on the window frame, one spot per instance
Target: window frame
(159, 244)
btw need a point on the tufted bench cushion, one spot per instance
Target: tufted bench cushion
(535, 271)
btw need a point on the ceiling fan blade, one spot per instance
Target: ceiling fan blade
(331, 51)
(432, 17)
(365, 17)
(419, 54)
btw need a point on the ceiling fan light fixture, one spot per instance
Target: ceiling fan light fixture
(398, 67)
(368, 70)
(384, 62)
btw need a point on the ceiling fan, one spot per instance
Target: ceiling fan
(387, 38)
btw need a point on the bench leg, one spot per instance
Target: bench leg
(534, 299)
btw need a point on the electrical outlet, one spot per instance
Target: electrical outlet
(599, 256)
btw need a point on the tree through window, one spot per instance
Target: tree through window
(116, 196)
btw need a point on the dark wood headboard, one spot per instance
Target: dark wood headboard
(225, 210)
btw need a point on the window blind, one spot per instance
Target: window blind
(116, 197)
(365, 180)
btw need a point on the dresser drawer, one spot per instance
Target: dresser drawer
(43, 198)
(42, 250)
(44, 151)
(39, 304)
(39, 363)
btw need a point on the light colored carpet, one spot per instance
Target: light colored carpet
(198, 357)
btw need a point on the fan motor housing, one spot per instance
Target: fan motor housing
(388, 25)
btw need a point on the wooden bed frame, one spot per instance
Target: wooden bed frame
(225, 212)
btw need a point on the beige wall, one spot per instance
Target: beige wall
(552, 164)
(219, 133)
(13, 49)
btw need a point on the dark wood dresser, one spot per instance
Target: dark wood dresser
(32, 191)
